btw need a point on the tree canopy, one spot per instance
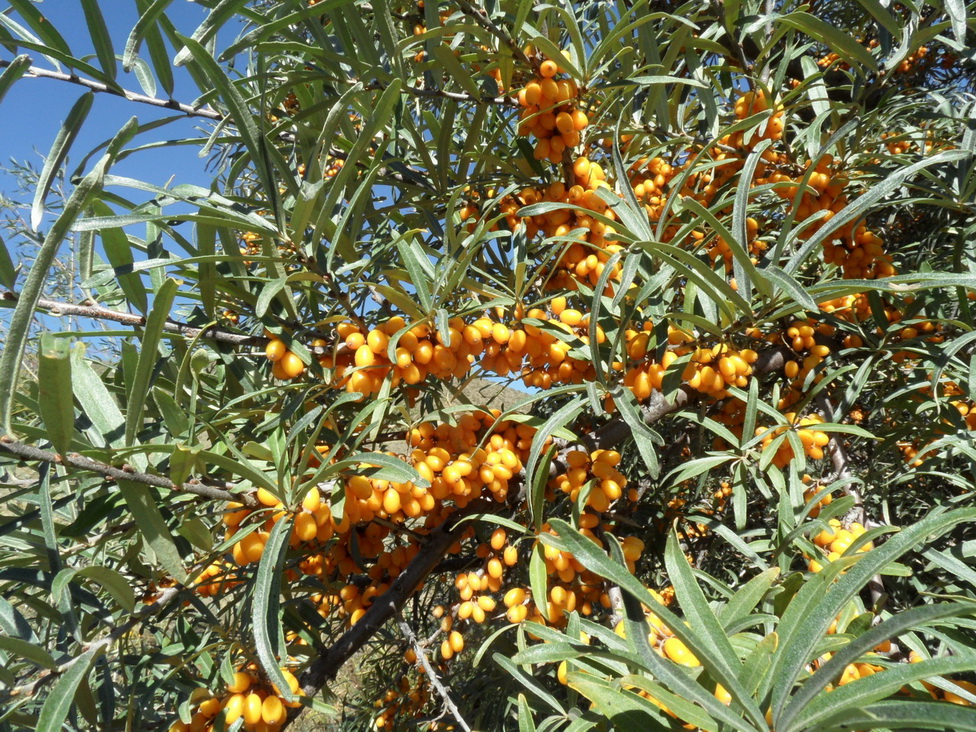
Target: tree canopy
(557, 366)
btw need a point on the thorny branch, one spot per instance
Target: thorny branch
(431, 675)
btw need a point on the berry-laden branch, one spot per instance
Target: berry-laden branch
(99, 87)
(616, 431)
(97, 312)
(432, 675)
(327, 664)
(27, 452)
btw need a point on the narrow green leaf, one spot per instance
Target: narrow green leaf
(147, 19)
(54, 391)
(263, 155)
(62, 695)
(100, 37)
(790, 287)
(890, 628)
(811, 611)
(526, 723)
(44, 29)
(539, 578)
(148, 355)
(831, 36)
(19, 324)
(114, 583)
(139, 498)
(699, 614)
(15, 70)
(209, 28)
(29, 651)
(269, 638)
(857, 694)
(904, 714)
(8, 273)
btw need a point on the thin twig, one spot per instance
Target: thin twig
(480, 16)
(431, 675)
(97, 312)
(97, 86)
(27, 452)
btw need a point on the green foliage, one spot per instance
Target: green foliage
(740, 301)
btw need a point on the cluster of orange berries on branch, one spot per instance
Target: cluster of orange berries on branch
(537, 353)
(216, 578)
(475, 588)
(549, 113)
(836, 540)
(858, 251)
(813, 440)
(583, 260)
(717, 248)
(755, 102)
(572, 587)
(285, 364)
(407, 700)
(261, 706)
(313, 522)
(362, 362)
(599, 467)
(475, 458)
(709, 370)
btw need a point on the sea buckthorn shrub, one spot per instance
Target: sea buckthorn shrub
(558, 366)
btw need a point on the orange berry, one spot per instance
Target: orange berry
(290, 365)
(548, 69)
(275, 350)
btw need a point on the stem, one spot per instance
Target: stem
(97, 312)
(431, 675)
(27, 452)
(97, 86)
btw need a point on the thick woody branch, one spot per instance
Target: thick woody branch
(97, 312)
(386, 606)
(33, 454)
(432, 675)
(99, 87)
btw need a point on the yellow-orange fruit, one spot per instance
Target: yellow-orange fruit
(275, 350)
(291, 365)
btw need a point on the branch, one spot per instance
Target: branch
(97, 86)
(616, 430)
(440, 93)
(480, 16)
(27, 452)
(431, 675)
(324, 667)
(97, 312)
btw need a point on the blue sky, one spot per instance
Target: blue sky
(33, 110)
